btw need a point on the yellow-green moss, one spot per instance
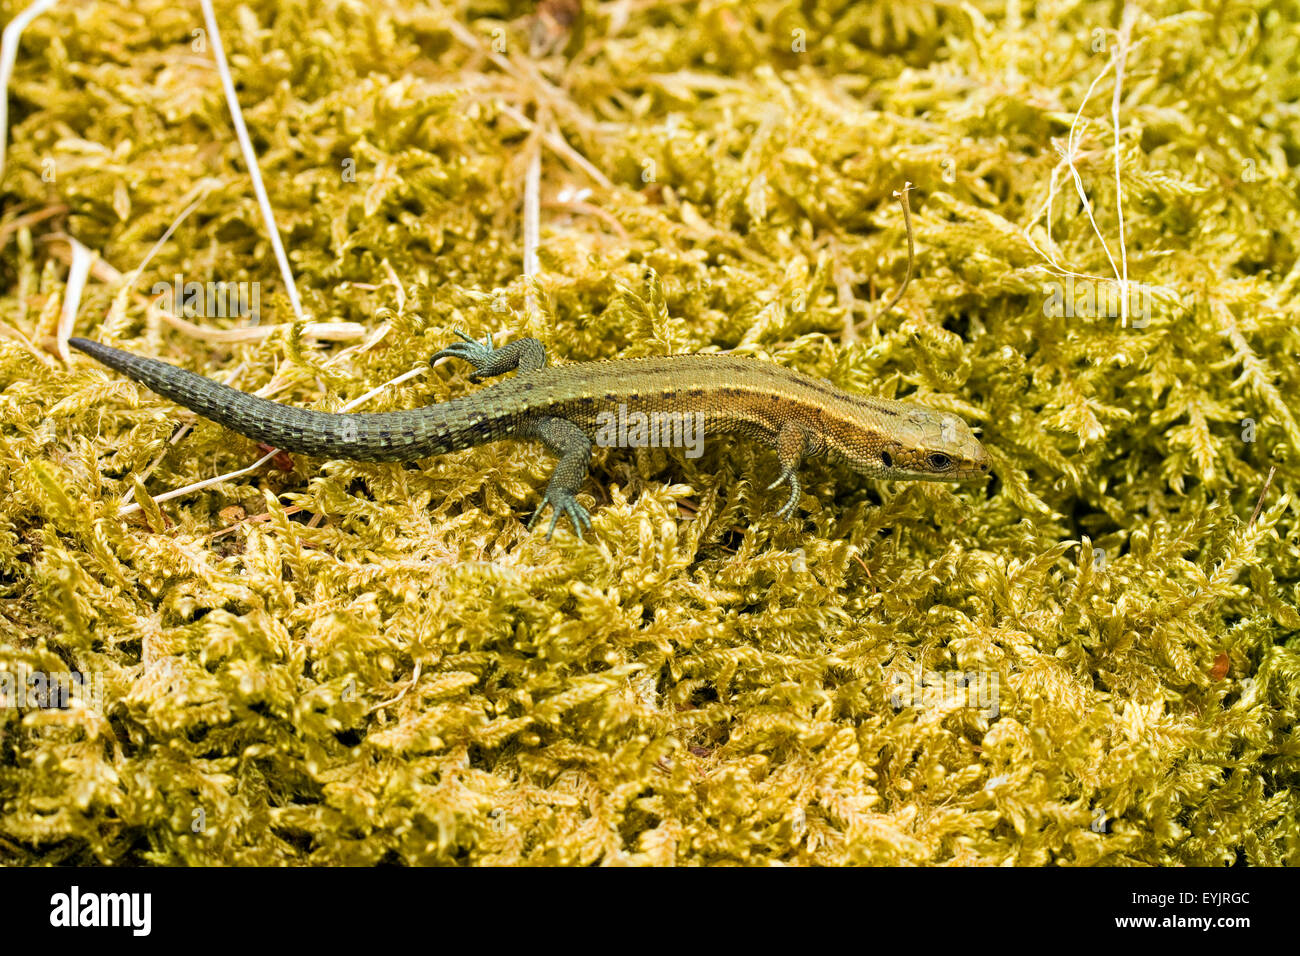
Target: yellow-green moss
(378, 663)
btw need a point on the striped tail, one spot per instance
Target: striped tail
(385, 436)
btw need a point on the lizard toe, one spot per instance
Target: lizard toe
(561, 503)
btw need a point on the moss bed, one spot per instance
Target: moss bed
(329, 662)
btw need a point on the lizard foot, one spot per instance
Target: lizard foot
(562, 502)
(787, 475)
(479, 354)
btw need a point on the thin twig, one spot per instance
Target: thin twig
(28, 219)
(901, 196)
(415, 679)
(540, 89)
(586, 208)
(560, 147)
(107, 273)
(202, 189)
(1260, 504)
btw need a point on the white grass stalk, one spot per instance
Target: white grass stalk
(532, 225)
(250, 158)
(1121, 55)
(8, 56)
(82, 261)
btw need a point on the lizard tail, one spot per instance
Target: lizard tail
(384, 436)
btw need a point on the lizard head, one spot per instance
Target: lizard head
(896, 440)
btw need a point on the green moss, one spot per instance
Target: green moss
(348, 663)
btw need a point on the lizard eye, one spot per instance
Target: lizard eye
(939, 461)
(887, 459)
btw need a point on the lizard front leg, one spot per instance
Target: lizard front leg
(563, 438)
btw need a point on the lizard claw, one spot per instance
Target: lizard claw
(562, 502)
(470, 350)
(486, 343)
(787, 475)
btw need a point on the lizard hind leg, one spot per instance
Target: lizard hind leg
(562, 437)
(526, 355)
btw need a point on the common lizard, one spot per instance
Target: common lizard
(568, 407)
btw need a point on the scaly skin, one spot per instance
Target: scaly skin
(568, 407)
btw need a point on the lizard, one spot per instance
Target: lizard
(566, 406)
